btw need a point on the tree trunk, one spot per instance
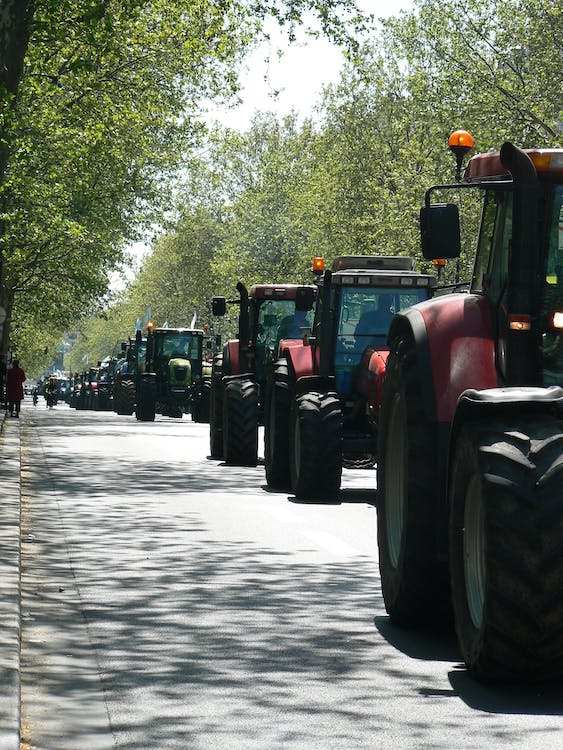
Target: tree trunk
(15, 29)
(16, 17)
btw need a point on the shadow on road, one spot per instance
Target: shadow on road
(223, 633)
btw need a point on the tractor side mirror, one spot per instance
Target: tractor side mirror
(439, 231)
(218, 306)
(304, 298)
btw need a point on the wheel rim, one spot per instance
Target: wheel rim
(395, 486)
(474, 551)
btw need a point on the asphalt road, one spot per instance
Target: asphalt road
(170, 601)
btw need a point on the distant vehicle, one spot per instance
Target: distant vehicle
(29, 386)
(64, 389)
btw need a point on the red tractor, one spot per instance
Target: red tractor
(322, 403)
(470, 468)
(267, 314)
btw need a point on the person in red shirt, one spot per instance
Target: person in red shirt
(14, 388)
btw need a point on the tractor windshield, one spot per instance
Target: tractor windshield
(552, 307)
(277, 319)
(363, 318)
(138, 362)
(366, 314)
(181, 345)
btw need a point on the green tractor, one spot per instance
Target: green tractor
(173, 381)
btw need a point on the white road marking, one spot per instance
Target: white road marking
(281, 514)
(332, 544)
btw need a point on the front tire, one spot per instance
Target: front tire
(506, 537)
(124, 398)
(276, 427)
(216, 409)
(240, 422)
(359, 461)
(145, 410)
(414, 582)
(315, 454)
(200, 409)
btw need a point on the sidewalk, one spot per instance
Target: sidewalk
(9, 583)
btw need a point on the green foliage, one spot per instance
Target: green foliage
(100, 336)
(107, 111)
(175, 280)
(494, 68)
(258, 206)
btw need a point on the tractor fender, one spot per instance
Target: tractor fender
(148, 379)
(300, 360)
(319, 383)
(287, 344)
(455, 347)
(238, 376)
(493, 402)
(369, 378)
(231, 357)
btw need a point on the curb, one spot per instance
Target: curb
(9, 584)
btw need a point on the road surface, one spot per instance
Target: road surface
(170, 601)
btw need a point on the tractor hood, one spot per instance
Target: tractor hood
(180, 371)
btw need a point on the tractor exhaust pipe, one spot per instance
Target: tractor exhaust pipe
(518, 164)
(522, 351)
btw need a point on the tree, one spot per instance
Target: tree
(107, 110)
(497, 64)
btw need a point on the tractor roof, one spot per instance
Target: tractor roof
(378, 270)
(194, 331)
(366, 278)
(275, 291)
(483, 167)
(378, 262)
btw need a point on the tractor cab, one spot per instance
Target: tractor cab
(268, 315)
(360, 296)
(470, 445)
(518, 268)
(172, 381)
(175, 356)
(324, 391)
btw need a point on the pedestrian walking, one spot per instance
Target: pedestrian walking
(15, 378)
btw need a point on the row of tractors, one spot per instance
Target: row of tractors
(456, 395)
(164, 372)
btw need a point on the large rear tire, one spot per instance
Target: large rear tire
(124, 398)
(315, 453)
(414, 582)
(145, 412)
(145, 409)
(506, 537)
(240, 422)
(200, 409)
(358, 460)
(216, 409)
(276, 427)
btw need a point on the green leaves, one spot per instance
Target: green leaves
(107, 110)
